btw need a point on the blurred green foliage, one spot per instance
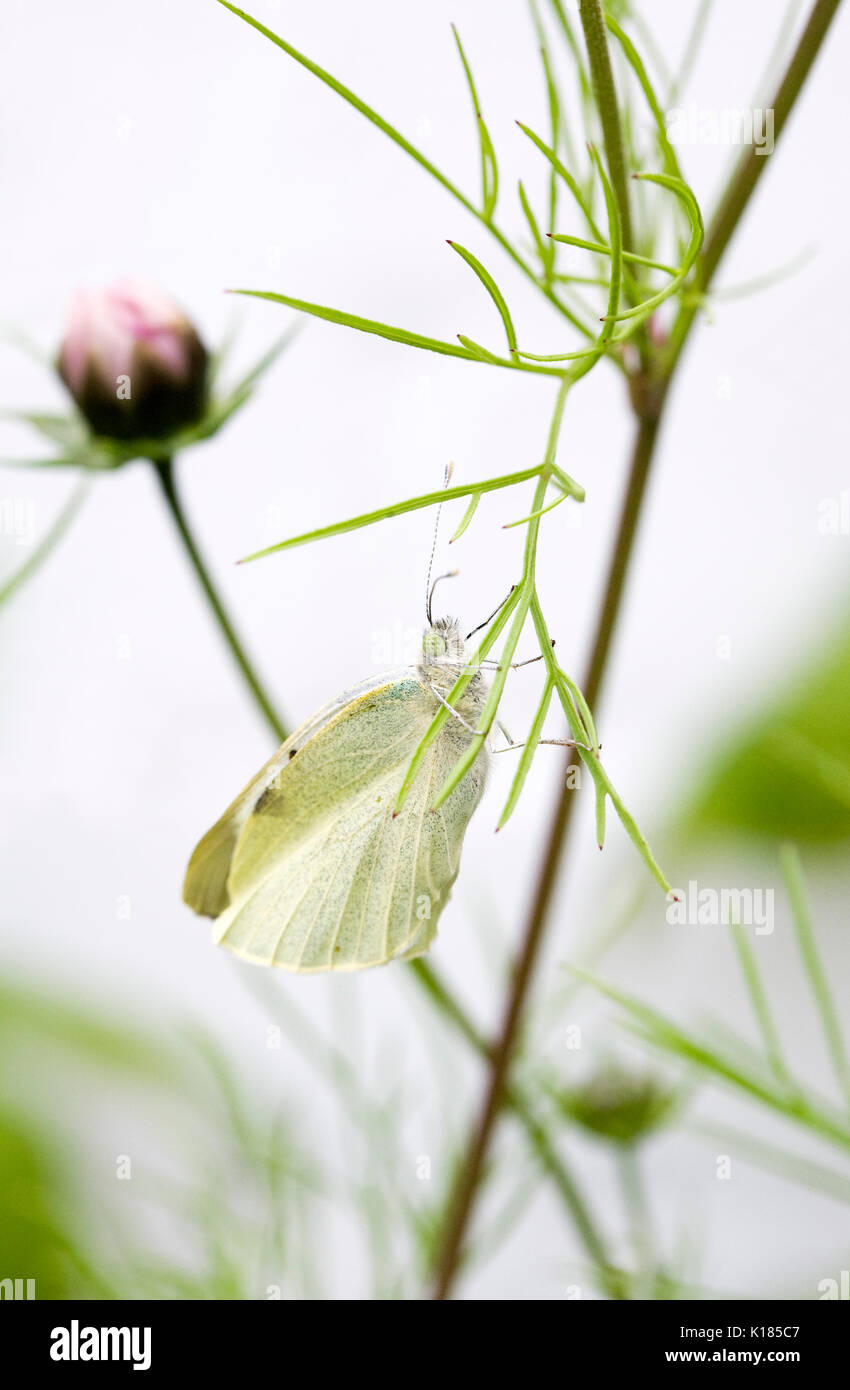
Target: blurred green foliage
(787, 774)
(212, 1168)
(33, 1244)
(618, 1105)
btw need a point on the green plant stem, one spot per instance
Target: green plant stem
(605, 96)
(649, 396)
(502, 1052)
(165, 472)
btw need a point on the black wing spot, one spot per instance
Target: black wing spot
(292, 753)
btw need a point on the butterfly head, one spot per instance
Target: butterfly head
(443, 644)
(445, 656)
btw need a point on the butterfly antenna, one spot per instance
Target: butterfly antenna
(429, 587)
(449, 574)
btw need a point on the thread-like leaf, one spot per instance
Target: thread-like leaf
(499, 621)
(467, 516)
(527, 755)
(601, 803)
(492, 289)
(363, 325)
(409, 149)
(489, 165)
(683, 72)
(269, 357)
(532, 222)
(50, 539)
(792, 870)
(410, 504)
(601, 249)
(615, 241)
(761, 1008)
(482, 353)
(541, 511)
(587, 735)
(671, 163)
(563, 172)
(559, 356)
(491, 704)
(353, 100)
(685, 195)
(567, 483)
(472, 353)
(554, 123)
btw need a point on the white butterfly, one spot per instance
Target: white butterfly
(309, 869)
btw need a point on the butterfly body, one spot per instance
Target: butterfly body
(310, 869)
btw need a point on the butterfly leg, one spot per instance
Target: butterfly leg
(552, 742)
(515, 665)
(495, 665)
(479, 733)
(492, 615)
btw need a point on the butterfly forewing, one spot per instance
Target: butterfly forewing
(205, 887)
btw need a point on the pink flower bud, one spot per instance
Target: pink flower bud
(133, 362)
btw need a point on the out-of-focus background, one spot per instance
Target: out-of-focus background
(157, 1134)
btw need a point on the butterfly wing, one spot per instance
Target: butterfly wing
(205, 885)
(323, 876)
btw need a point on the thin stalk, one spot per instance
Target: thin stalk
(47, 543)
(605, 95)
(637, 1205)
(750, 167)
(795, 883)
(761, 1008)
(165, 472)
(649, 397)
(518, 1103)
(692, 47)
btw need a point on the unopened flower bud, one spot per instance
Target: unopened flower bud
(618, 1105)
(133, 362)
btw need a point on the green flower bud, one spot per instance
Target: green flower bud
(618, 1105)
